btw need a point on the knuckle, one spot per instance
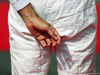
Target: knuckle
(51, 33)
(51, 26)
(46, 26)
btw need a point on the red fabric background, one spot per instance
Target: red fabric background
(4, 33)
(98, 29)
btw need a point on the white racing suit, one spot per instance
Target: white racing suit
(75, 21)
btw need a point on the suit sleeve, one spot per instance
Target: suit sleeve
(19, 4)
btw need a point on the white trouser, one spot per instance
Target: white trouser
(76, 22)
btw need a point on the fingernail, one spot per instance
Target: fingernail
(48, 44)
(44, 45)
(53, 44)
(58, 42)
(55, 37)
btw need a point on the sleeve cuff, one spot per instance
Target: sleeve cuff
(19, 4)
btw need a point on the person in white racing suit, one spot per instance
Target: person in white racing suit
(69, 25)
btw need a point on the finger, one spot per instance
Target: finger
(51, 33)
(57, 34)
(53, 42)
(41, 37)
(43, 43)
(48, 42)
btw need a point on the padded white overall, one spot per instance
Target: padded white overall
(76, 22)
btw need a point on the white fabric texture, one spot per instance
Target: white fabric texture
(76, 22)
(19, 4)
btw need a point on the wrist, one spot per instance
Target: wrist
(28, 13)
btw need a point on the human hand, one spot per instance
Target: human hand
(41, 30)
(44, 32)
